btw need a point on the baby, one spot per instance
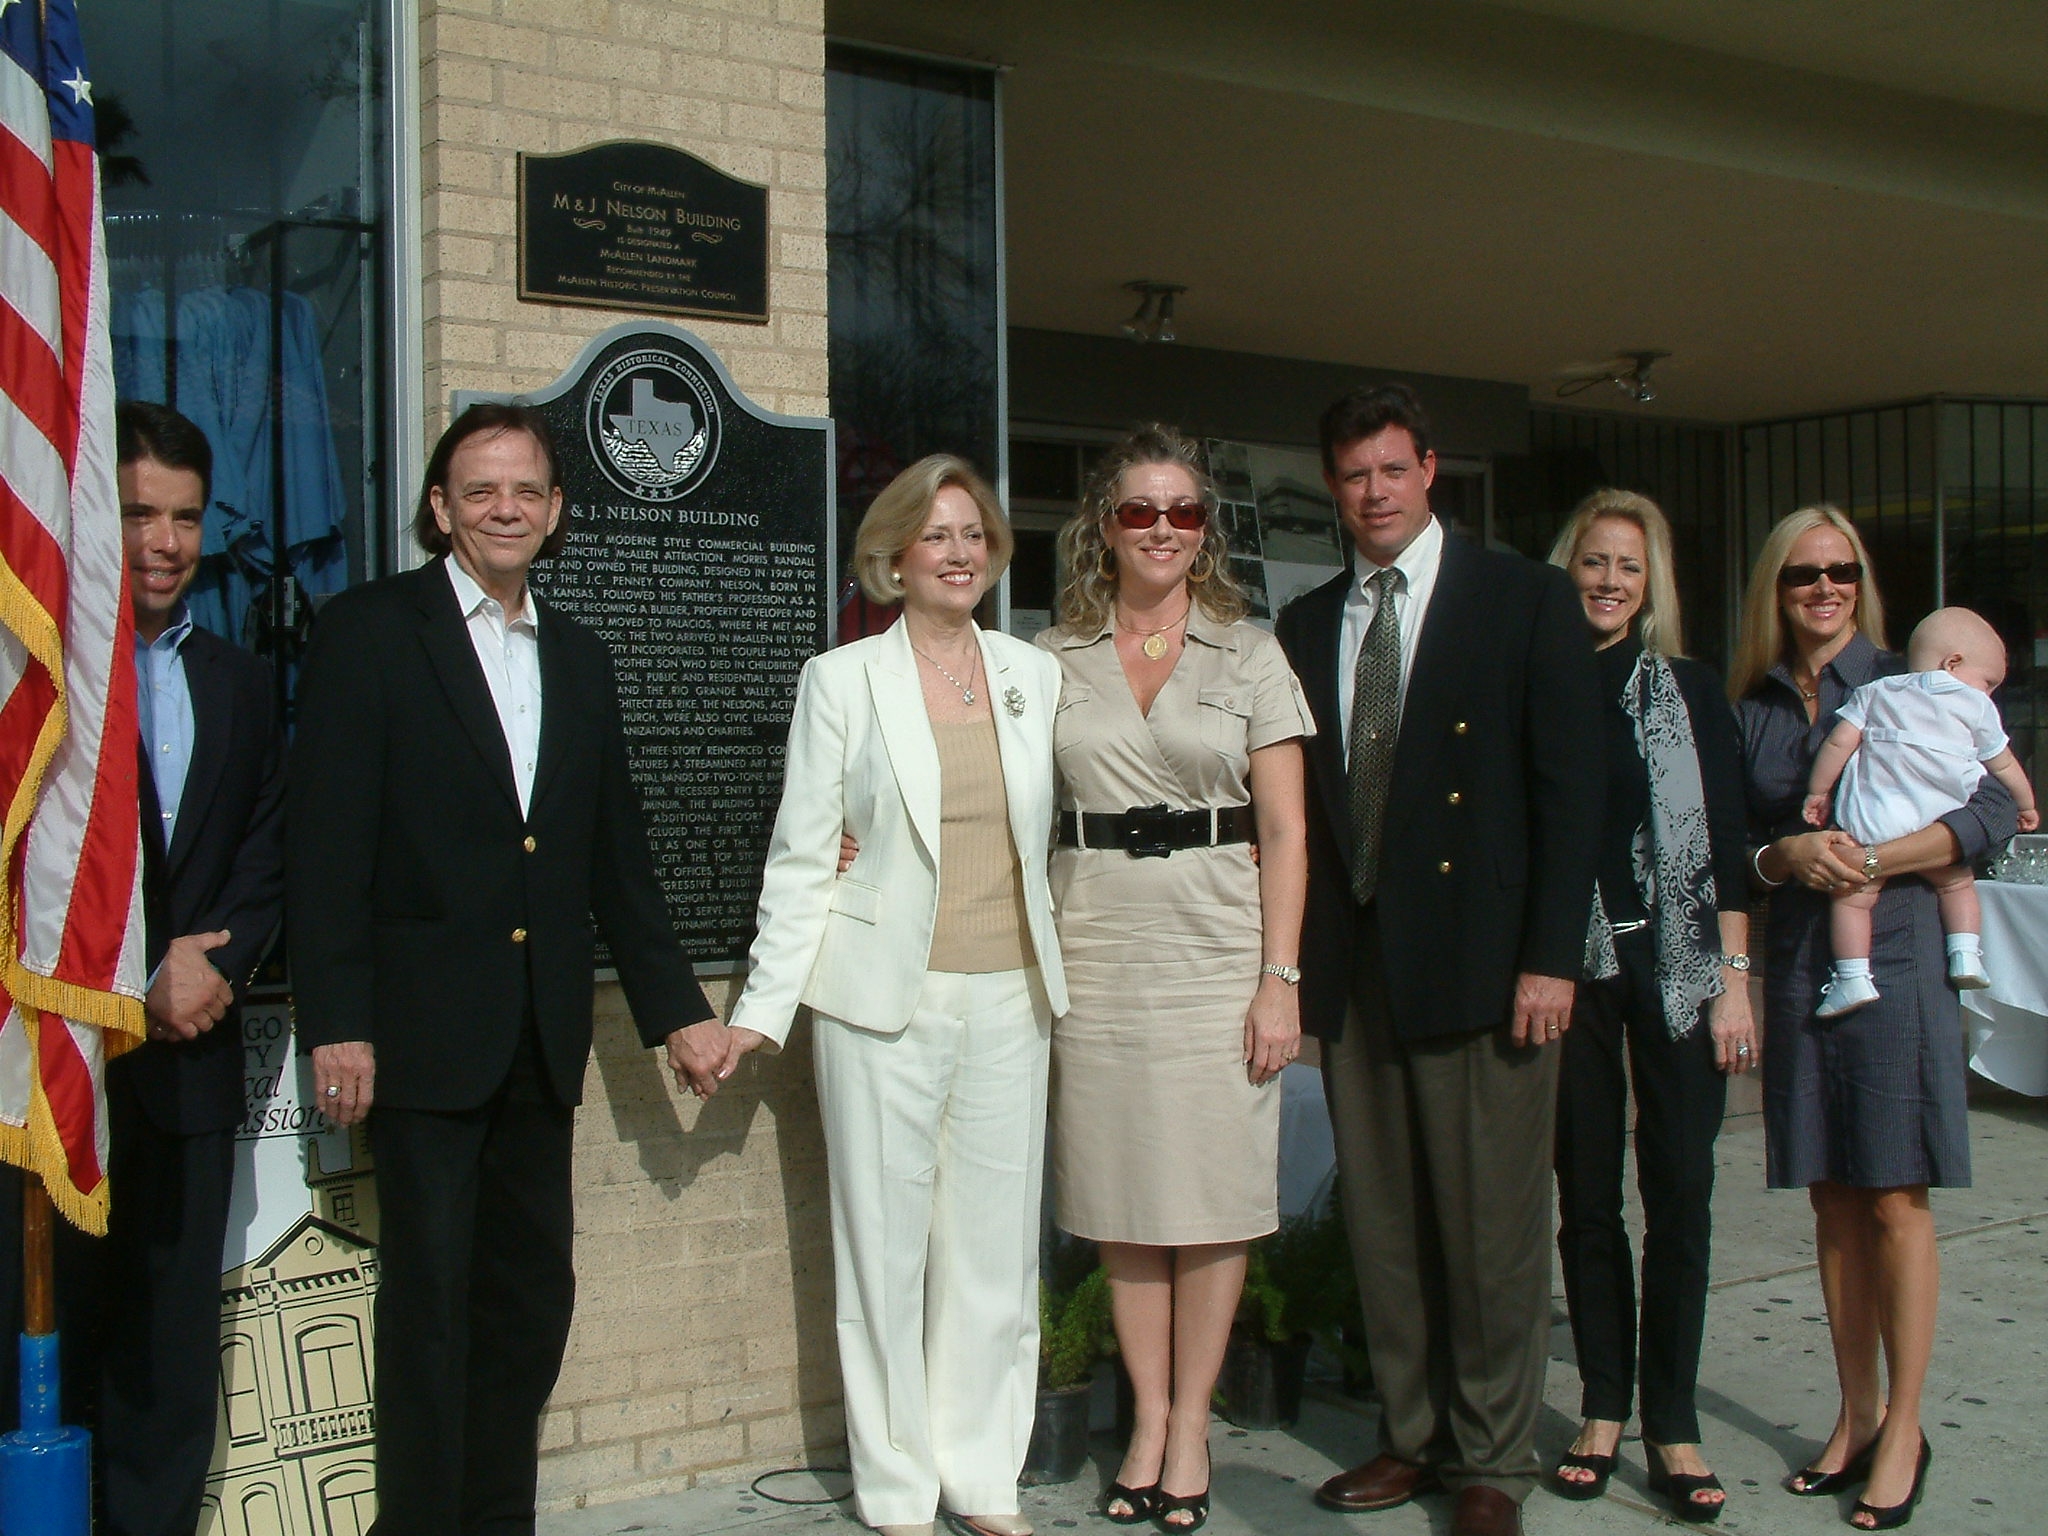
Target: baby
(1910, 749)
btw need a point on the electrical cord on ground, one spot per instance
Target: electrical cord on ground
(803, 1471)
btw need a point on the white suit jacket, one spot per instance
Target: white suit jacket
(862, 758)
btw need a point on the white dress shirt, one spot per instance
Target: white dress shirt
(1418, 565)
(510, 655)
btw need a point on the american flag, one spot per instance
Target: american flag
(70, 849)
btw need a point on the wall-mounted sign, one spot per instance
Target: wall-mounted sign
(626, 225)
(701, 550)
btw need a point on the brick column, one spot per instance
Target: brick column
(703, 1341)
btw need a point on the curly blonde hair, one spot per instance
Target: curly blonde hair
(1088, 576)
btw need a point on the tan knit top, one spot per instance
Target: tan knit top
(981, 924)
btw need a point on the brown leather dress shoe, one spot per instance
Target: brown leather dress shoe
(1483, 1511)
(1385, 1482)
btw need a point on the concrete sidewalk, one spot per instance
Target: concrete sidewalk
(1767, 1390)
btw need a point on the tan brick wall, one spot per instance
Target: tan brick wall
(739, 82)
(703, 1338)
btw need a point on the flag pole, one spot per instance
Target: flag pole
(45, 1466)
(38, 1269)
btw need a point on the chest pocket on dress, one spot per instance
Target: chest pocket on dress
(1226, 716)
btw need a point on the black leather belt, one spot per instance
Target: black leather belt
(1153, 831)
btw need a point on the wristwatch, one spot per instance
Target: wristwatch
(1870, 862)
(1736, 962)
(1291, 974)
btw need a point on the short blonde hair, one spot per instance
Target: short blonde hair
(1088, 576)
(1658, 625)
(1760, 633)
(900, 513)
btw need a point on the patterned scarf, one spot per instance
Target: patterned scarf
(1673, 868)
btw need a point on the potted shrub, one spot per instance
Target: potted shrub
(1074, 1332)
(1299, 1290)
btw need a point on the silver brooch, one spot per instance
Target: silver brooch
(1013, 701)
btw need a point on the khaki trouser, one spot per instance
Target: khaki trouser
(1444, 1170)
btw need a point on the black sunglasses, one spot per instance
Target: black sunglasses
(1184, 515)
(1846, 574)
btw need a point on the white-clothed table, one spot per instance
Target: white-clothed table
(2008, 1023)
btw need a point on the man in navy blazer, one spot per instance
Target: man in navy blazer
(460, 811)
(141, 1308)
(1457, 787)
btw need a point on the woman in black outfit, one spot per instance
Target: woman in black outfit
(1665, 1002)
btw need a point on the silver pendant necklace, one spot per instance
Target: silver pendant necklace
(966, 688)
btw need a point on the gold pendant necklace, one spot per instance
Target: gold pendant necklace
(1155, 642)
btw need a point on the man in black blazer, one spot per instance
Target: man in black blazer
(141, 1308)
(460, 809)
(1457, 787)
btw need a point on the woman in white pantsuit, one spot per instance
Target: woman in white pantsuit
(933, 972)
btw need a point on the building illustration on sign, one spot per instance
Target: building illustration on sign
(294, 1445)
(295, 1448)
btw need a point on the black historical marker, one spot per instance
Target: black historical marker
(628, 225)
(701, 549)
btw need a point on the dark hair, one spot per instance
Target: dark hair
(485, 419)
(145, 430)
(1367, 412)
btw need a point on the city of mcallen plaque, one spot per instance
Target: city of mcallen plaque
(700, 549)
(627, 225)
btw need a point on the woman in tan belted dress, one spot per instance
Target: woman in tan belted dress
(1180, 946)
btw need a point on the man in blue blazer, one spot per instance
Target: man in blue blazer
(1456, 797)
(460, 811)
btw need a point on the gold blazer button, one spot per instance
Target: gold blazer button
(1458, 728)
(1455, 798)
(529, 845)
(1444, 868)
(519, 934)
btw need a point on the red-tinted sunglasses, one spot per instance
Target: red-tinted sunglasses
(1845, 574)
(1184, 515)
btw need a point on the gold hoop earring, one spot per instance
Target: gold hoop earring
(1105, 564)
(1197, 571)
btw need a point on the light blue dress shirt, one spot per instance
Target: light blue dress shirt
(163, 699)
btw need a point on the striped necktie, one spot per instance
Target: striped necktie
(1375, 725)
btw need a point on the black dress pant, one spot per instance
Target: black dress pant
(474, 1301)
(1679, 1097)
(138, 1317)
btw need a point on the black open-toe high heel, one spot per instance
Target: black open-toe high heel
(1139, 1502)
(1892, 1516)
(1808, 1483)
(1194, 1505)
(1602, 1468)
(1679, 1488)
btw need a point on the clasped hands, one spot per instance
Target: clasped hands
(705, 1054)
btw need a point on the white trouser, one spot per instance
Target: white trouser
(935, 1140)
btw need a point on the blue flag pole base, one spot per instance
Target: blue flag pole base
(45, 1467)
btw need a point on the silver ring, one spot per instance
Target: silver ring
(1742, 1050)
(333, 1092)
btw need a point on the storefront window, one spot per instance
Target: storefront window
(242, 151)
(915, 273)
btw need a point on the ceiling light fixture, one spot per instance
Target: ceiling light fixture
(1154, 318)
(1629, 373)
